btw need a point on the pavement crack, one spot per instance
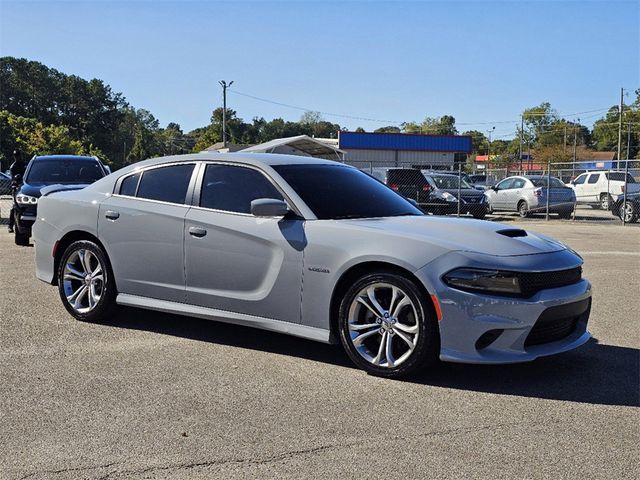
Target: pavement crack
(67, 470)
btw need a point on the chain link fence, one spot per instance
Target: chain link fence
(581, 191)
(6, 199)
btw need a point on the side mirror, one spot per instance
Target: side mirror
(269, 207)
(494, 188)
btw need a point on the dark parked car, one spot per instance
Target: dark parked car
(5, 184)
(444, 192)
(631, 201)
(73, 172)
(437, 192)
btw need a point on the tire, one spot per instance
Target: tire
(416, 346)
(479, 214)
(566, 214)
(629, 211)
(523, 209)
(605, 201)
(21, 239)
(80, 260)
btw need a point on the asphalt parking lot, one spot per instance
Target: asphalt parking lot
(152, 396)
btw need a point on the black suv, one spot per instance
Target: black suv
(44, 171)
(437, 192)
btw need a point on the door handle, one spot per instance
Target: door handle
(197, 232)
(112, 215)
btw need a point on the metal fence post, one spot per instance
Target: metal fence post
(459, 185)
(548, 187)
(624, 193)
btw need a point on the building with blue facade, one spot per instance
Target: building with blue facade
(365, 150)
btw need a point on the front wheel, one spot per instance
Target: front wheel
(387, 327)
(85, 282)
(21, 239)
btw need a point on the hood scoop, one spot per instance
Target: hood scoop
(512, 232)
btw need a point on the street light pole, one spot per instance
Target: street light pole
(489, 148)
(224, 110)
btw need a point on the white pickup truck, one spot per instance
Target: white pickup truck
(598, 188)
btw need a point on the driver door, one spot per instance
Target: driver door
(235, 261)
(498, 199)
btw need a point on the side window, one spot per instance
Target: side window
(593, 178)
(518, 183)
(167, 184)
(129, 185)
(232, 188)
(505, 184)
(580, 180)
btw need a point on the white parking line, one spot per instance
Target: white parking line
(632, 254)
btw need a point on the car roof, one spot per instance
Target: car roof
(66, 157)
(255, 159)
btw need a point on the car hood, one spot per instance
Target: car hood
(459, 234)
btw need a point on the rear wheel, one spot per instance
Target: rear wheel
(605, 201)
(523, 209)
(479, 214)
(387, 327)
(628, 212)
(85, 282)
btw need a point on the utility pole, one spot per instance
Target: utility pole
(575, 143)
(224, 110)
(628, 140)
(564, 150)
(521, 135)
(620, 124)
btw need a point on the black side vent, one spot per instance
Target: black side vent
(513, 232)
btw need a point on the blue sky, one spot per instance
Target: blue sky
(482, 62)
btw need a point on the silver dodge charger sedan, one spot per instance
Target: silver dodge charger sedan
(312, 248)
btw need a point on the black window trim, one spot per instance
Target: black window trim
(195, 200)
(190, 188)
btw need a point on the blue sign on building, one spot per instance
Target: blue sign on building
(405, 142)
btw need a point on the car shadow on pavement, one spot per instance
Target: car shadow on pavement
(594, 373)
(229, 334)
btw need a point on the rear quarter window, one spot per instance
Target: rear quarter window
(166, 184)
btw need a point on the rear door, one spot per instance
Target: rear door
(142, 227)
(235, 261)
(513, 194)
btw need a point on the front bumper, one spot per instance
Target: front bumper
(480, 328)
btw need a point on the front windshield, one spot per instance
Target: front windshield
(542, 182)
(449, 182)
(64, 171)
(338, 191)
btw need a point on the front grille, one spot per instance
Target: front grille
(556, 323)
(531, 283)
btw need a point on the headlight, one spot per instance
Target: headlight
(483, 280)
(448, 197)
(23, 199)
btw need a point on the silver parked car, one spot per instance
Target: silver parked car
(528, 194)
(311, 248)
